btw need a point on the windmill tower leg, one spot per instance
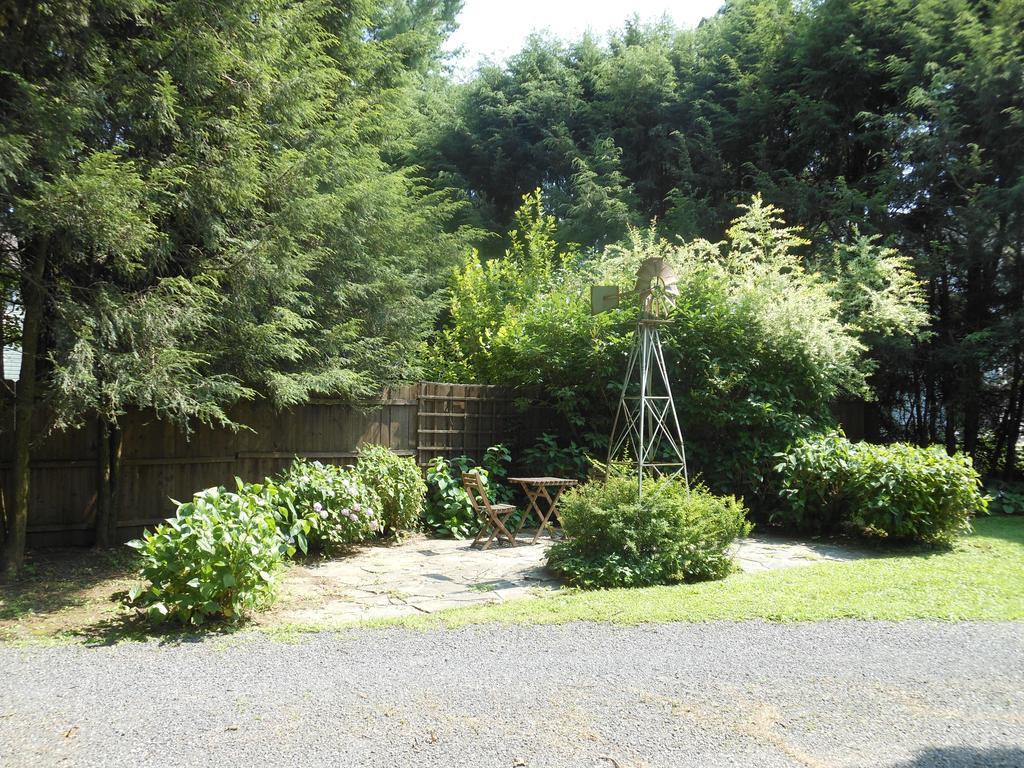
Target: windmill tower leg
(644, 415)
(646, 422)
(623, 435)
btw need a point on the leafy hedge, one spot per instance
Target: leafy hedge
(758, 345)
(547, 458)
(898, 492)
(670, 535)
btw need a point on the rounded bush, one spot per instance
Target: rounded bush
(898, 492)
(814, 473)
(399, 484)
(341, 509)
(671, 535)
(216, 558)
(907, 493)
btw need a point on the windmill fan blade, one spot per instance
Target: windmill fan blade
(656, 272)
(648, 271)
(668, 278)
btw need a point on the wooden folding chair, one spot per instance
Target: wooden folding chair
(492, 516)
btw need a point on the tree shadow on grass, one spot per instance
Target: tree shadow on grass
(133, 627)
(55, 579)
(842, 549)
(79, 595)
(966, 757)
(1007, 527)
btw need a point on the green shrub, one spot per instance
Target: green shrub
(1006, 498)
(814, 473)
(341, 508)
(671, 535)
(448, 510)
(278, 498)
(399, 484)
(546, 458)
(899, 492)
(905, 493)
(217, 557)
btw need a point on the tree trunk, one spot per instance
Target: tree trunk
(972, 408)
(1004, 429)
(102, 483)
(3, 342)
(918, 409)
(116, 444)
(931, 406)
(108, 466)
(950, 438)
(24, 402)
(1013, 436)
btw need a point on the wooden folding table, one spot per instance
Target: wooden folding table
(536, 488)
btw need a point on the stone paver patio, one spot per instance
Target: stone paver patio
(768, 553)
(419, 575)
(424, 575)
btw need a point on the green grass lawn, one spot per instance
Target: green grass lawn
(981, 578)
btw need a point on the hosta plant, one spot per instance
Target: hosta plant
(1006, 498)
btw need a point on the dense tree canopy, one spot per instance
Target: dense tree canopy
(899, 120)
(201, 202)
(232, 159)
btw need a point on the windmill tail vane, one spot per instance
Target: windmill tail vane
(646, 426)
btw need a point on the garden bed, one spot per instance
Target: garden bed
(74, 595)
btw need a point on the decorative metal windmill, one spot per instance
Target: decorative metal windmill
(646, 427)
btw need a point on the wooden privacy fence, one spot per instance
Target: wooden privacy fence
(160, 462)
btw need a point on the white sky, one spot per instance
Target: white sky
(497, 28)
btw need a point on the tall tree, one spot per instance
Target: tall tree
(206, 205)
(860, 118)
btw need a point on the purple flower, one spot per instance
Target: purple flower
(356, 507)
(317, 506)
(323, 514)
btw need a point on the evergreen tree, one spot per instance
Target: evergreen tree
(205, 205)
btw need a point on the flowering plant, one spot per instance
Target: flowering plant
(398, 482)
(341, 509)
(217, 558)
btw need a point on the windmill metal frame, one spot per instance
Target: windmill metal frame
(648, 418)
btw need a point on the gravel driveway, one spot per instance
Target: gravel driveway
(724, 694)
